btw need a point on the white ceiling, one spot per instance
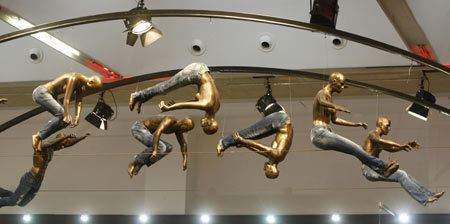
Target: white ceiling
(228, 42)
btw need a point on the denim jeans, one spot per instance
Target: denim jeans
(323, 137)
(411, 185)
(45, 98)
(25, 192)
(269, 125)
(191, 74)
(142, 134)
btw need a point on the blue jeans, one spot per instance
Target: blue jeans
(323, 137)
(142, 134)
(269, 125)
(25, 192)
(411, 185)
(191, 74)
(45, 98)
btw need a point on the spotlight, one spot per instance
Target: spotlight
(101, 113)
(204, 218)
(141, 26)
(270, 219)
(403, 218)
(26, 218)
(418, 110)
(143, 218)
(336, 218)
(84, 218)
(324, 12)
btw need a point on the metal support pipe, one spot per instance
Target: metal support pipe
(235, 69)
(226, 15)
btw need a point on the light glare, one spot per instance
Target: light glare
(403, 218)
(27, 218)
(270, 219)
(142, 27)
(84, 218)
(204, 218)
(335, 218)
(143, 218)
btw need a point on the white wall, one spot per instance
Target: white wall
(311, 181)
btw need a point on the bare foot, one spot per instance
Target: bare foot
(220, 149)
(36, 142)
(134, 102)
(133, 169)
(438, 195)
(162, 106)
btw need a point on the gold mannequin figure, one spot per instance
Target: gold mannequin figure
(275, 121)
(31, 181)
(3, 100)
(374, 144)
(275, 153)
(149, 132)
(207, 98)
(46, 94)
(322, 136)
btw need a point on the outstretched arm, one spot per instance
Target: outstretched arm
(55, 141)
(392, 146)
(323, 100)
(340, 121)
(200, 105)
(183, 148)
(73, 140)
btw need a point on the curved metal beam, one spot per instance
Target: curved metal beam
(233, 69)
(227, 15)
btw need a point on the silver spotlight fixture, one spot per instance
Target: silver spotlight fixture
(141, 27)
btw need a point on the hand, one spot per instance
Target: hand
(162, 106)
(67, 121)
(362, 124)
(406, 147)
(87, 134)
(154, 156)
(3, 100)
(71, 136)
(237, 137)
(184, 164)
(414, 144)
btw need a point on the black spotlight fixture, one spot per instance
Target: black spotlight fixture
(324, 12)
(418, 110)
(141, 27)
(101, 113)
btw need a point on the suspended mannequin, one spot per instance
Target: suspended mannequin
(206, 99)
(31, 181)
(45, 95)
(323, 137)
(148, 132)
(374, 145)
(275, 121)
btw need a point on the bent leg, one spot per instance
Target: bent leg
(267, 126)
(324, 138)
(19, 193)
(191, 74)
(44, 97)
(411, 185)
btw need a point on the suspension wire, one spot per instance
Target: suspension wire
(6, 155)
